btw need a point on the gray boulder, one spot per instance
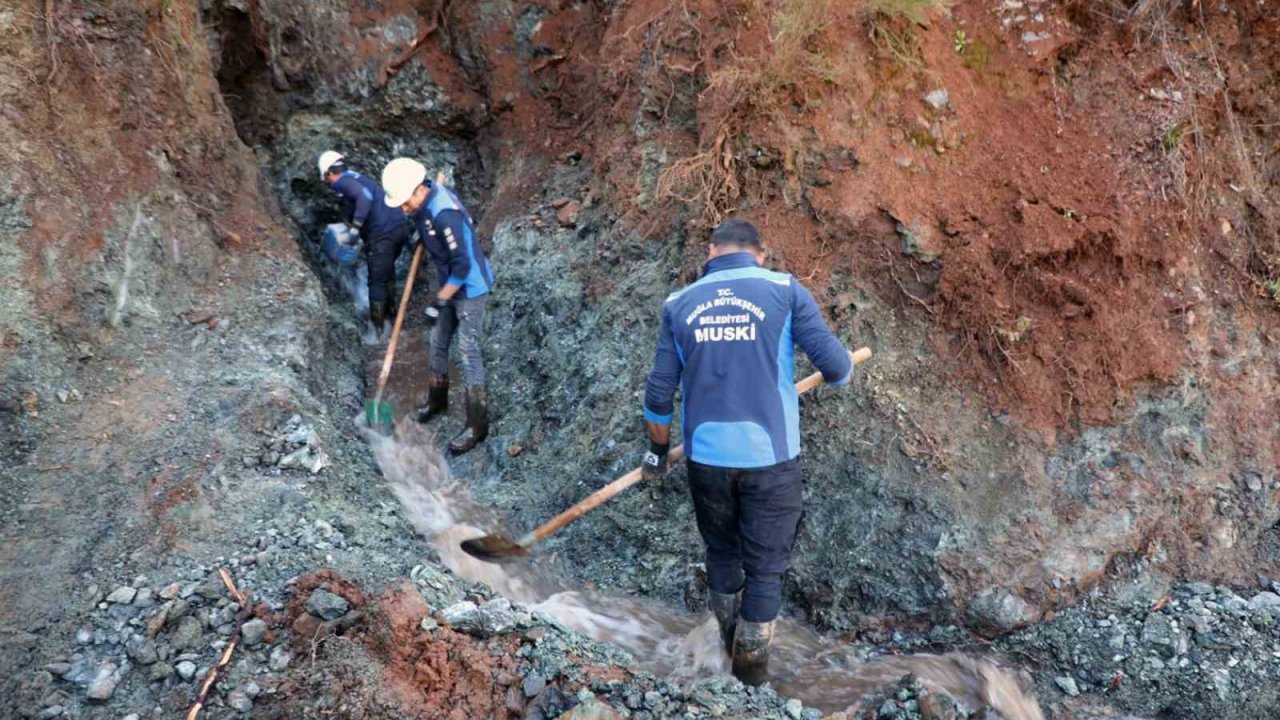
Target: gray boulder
(327, 606)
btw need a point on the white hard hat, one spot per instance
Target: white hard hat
(400, 178)
(327, 160)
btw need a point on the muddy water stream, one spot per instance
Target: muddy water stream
(820, 672)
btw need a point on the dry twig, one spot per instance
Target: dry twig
(246, 608)
(400, 60)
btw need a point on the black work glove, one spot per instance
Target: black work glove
(415, 237)
(655, 461)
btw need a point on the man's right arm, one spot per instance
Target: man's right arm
(660, 390)
(816, 339)
(350, 187)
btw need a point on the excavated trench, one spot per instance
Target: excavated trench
(288, 128)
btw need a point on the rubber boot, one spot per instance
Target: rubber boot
(725, 608)
(751, 652)
(437, 397)
(378, 316)
(477, 422)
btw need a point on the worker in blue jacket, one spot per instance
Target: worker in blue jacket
(728, 342)
(384, 230)
(465, 280)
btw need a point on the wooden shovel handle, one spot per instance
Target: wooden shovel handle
(607, 492)
(395, 329)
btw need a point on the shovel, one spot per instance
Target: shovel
(499, 548)
(377, 413)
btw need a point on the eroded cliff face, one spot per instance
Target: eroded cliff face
(1064, 263)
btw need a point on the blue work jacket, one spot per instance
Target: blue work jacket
(728, 340)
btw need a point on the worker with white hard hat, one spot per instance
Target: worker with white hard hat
(465, 280)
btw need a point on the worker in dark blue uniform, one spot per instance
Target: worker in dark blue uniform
(465, 279)
(383, 228)
(728, 342)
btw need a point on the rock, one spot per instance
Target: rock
(653, 700)
(489, 619)
(132, 716)
(145, 598)
(938, 99)
(1200, 588)
(297, 458)
(58, 669)
(567, 214)
(533, 684)
(317, 462)
(303, 435)
(186, 669)
(253, 631)
(457, 611)
(327, 606)
(252, 689)
(122, 595)
(239, 701)
(187, 635)
(161, 671)
(156, 622)
(794, 708)
(1067, 684)
(84, 636)
(937, 707)
(514, 700)
(280, 658)
(142, 650)
(919, 241)
(1158, 631)
(999, 609)
(53, 711)
(591, 710)
(104, 682)
(1264, 601)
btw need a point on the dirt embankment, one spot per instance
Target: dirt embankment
(1055, 225)
(1051, 222)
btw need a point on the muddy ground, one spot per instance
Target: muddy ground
(1063, 453)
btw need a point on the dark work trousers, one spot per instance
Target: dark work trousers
(748, 520)
(463, 317)
(383, 249)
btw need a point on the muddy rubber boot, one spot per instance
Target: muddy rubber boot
(477, 422)
(725, 608)
(378, 317)
(437, 397)
(751, 652)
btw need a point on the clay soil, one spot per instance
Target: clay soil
(1065, 212)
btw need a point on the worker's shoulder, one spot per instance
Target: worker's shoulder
(736, 275)
(355, 182)
(442, 200)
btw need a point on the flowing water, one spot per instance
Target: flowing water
(822, 673)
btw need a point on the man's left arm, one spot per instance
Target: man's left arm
(816, 339)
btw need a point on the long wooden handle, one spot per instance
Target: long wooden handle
(395, 329)
(606, 493)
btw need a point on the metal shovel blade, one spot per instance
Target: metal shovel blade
(496, 549)
(379, 415)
